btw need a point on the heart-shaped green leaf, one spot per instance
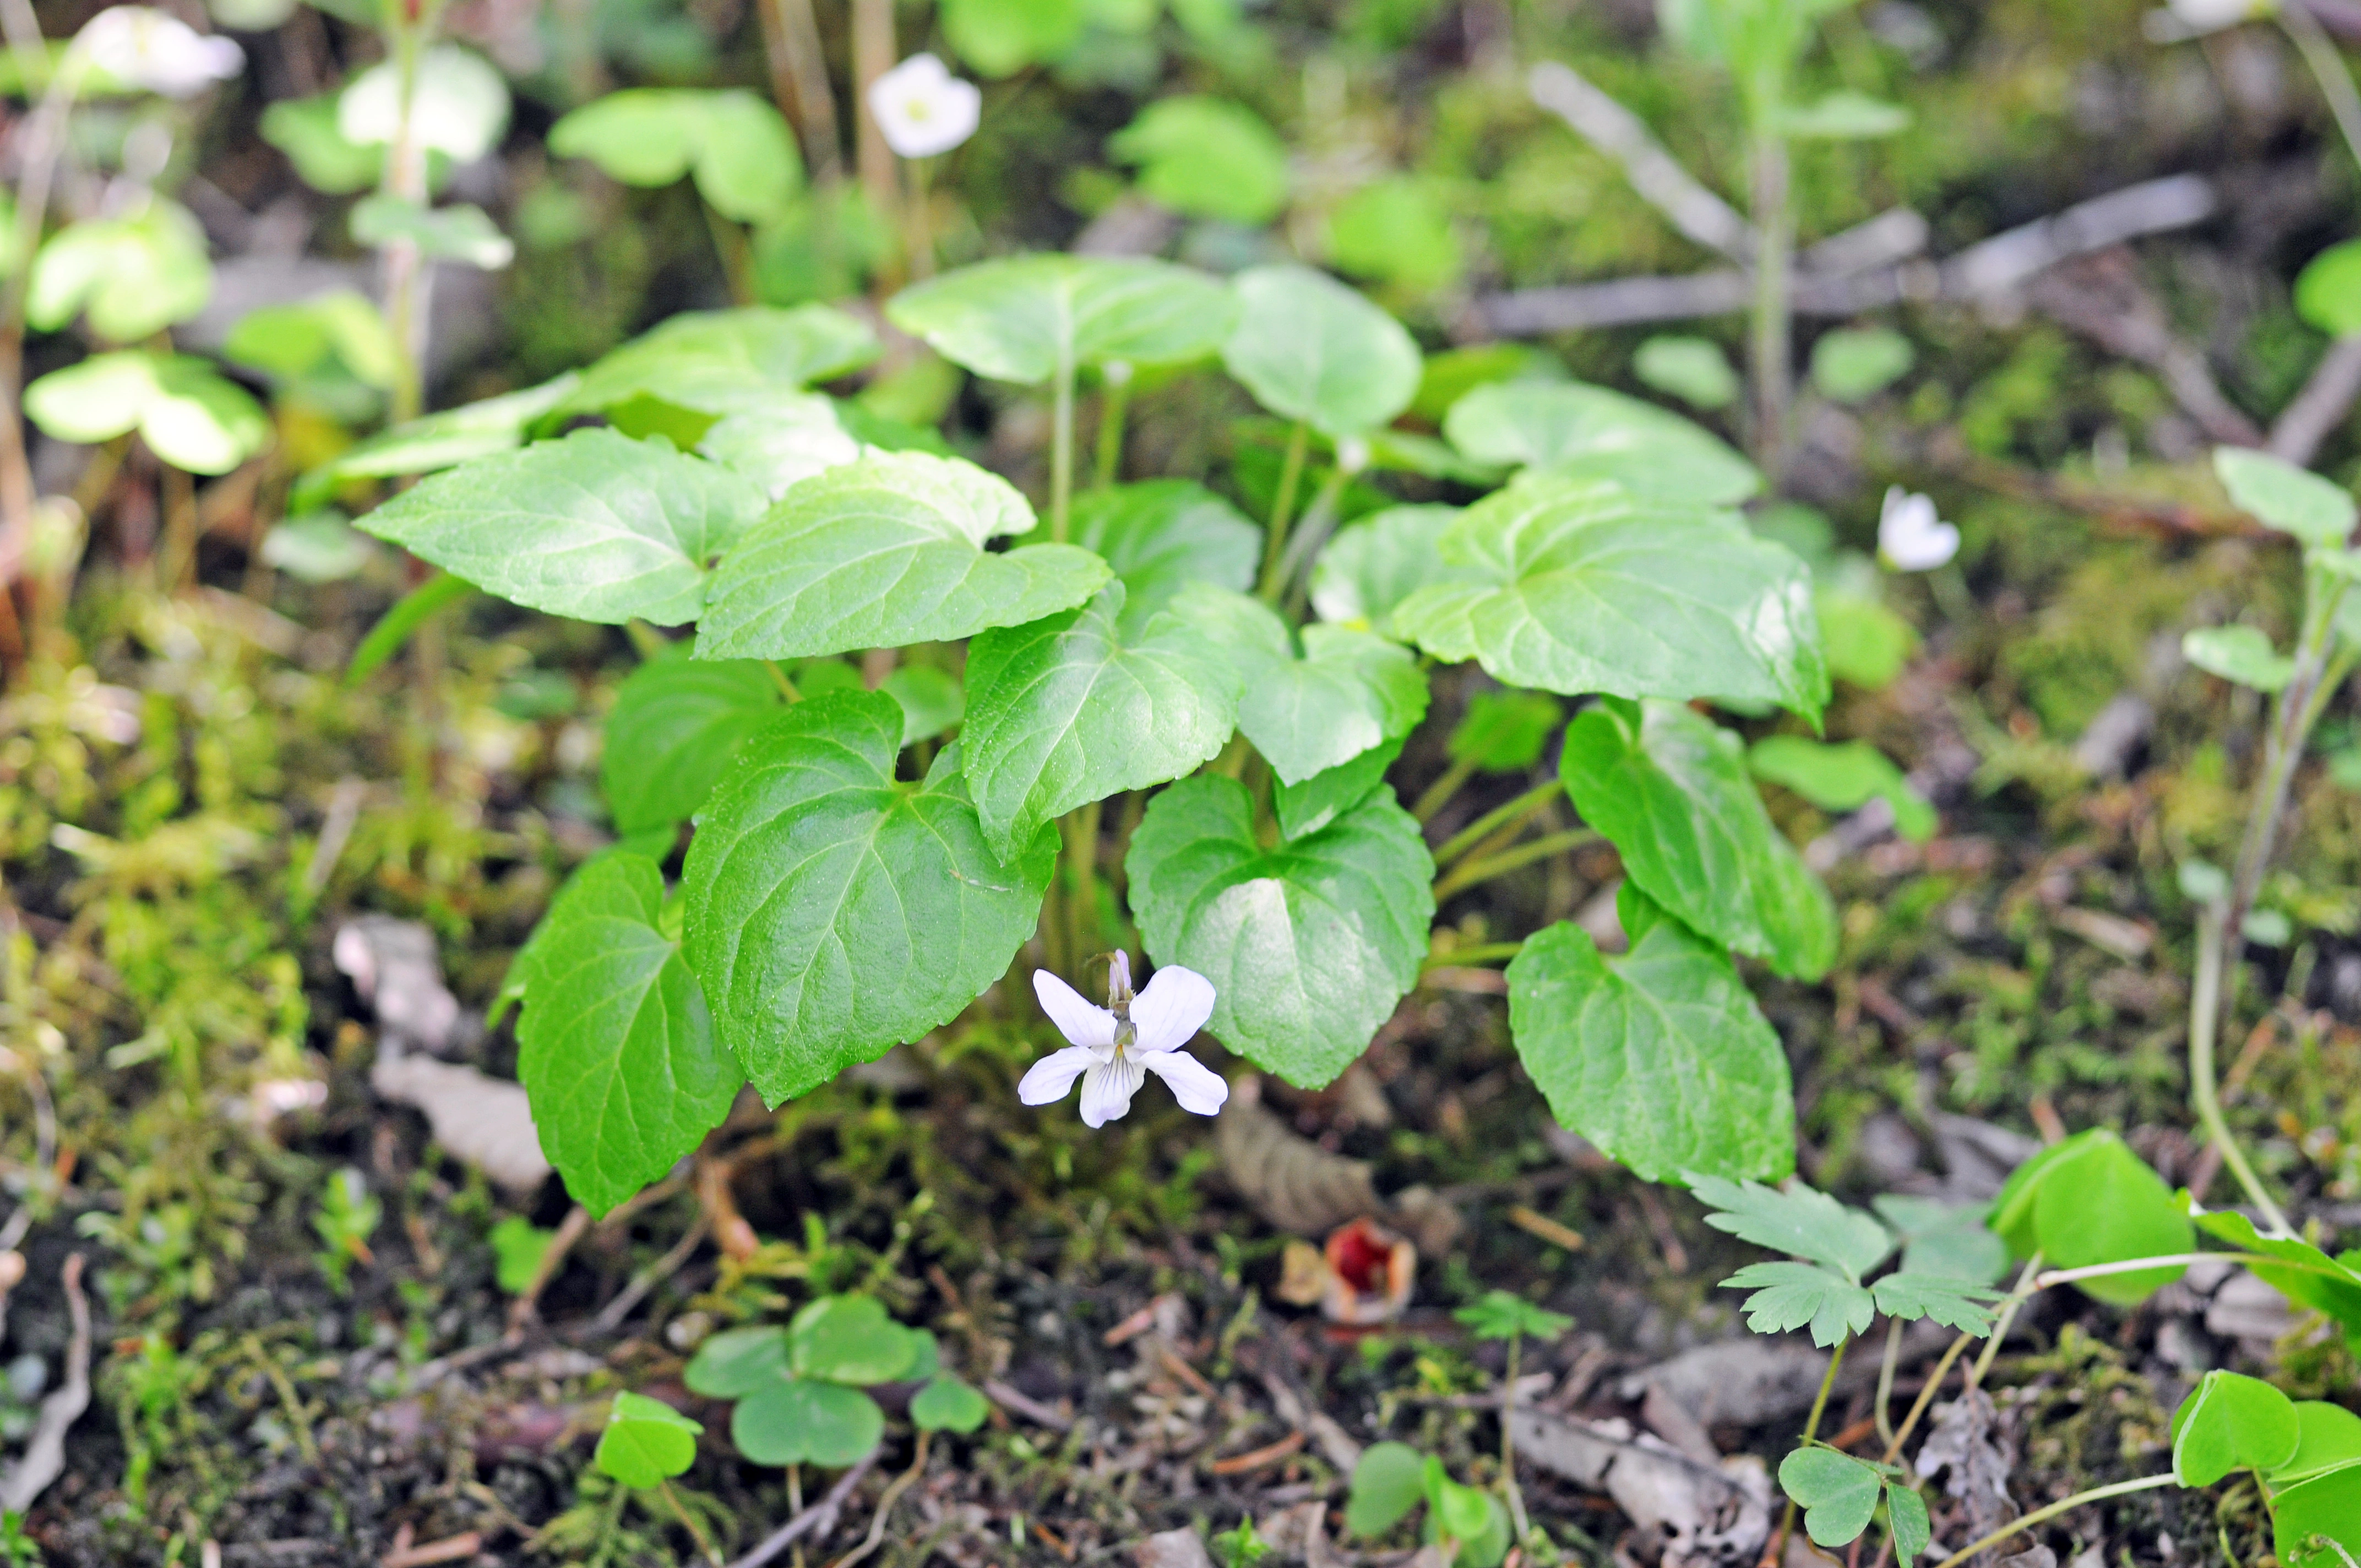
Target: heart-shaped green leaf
(1591, 432)
(2091, 1201)
(886, 551)
(1660, 1057)
(595, 526)
(2232, 1422)
(1837, 1493)
(948, 1404)
(1162, 535)
(1069, 709)
(645, 1442)
(1670, 789)
(735, 1362)
(1348, 691)
(738, 146)
(1390, 1481)
(1023, 318)
(1309, 348)
(850, 1338)
(711, 363)
(2280, 494)
(2328, 1437)
(135, 275)
(1586, 590)
(1309, 806)
(800, 1420)
(1373, 564)
(615, 1048)
(832, 913)
(676, 724)
(188, 413)
(2240, 653)
(1842, 778)
(2317, 1523)
(1309, 945)
(1207, 157)
(1906, 1515)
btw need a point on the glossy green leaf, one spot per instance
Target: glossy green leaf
(2232, 1422)
(712, 363)
(443, 440)
(1504, 731)
(1207, 158)
(676, 724)
(1311, 349)
(2328, 290)
(645, 1442)
(2306, 1277)
(850, 1338)
(948, 1404)
(595, 526)
(1021, 318)
(1843, 778)
(2091, 1201)
(833, 914)
(615, 1048)
(2317, 1523)
(884, 553)
(1161, 535)
(1669, 788)
(1947, 1240)
(1659, 1057)
(1319, 800)
(2281, 496)
(1395, 230)
(2328, 1437)
(1000, 38)
(1594, 434)
(1799, 1221)
(1584, 590)
(1072, 709)
(1371, 565)
(2239, 654)
(1694, 369)
(735, 1362)
(799, 1420)
(1347, 691)
(1905, 1515)
(1309, 944)
(1388, 1483)
(464, 233)
(736, 145)
(134, 275)
(340, 327)
(1837, 1493)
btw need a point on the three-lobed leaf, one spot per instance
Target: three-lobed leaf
(850, 1338)
(945, 1403)
(737, 146)
(1585, 588)
(595, 526)
(833, 913)
(1575, 430)
(802, 1421)
(1800, 1222)
(1309, 944)
(2232, 1422)
(1660, 1057)
(1027, 318)
(2090, 1201)
(735, 1362)
(1837, 1493)
(1311, 349)
(1670, 789)
(1790, 1294)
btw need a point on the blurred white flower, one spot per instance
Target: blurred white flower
(1911, 536)
(2194, 18)
(154, 51)
(1116, 1046)
(923, 109)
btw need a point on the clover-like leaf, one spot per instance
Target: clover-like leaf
(1669, 788)
(1837, 1493)
(2232, 1422)
(832, 913)
(1310, 944)
(850, 1338)
(1586, 590)
(2091, 1201)
(1371, 565)
(2280, 494)
(735, 143)
(1590, 433)
(1660, 1057)
(676, 724)
(1790, 1294)
(645, 1442)
(1307, 807)
(1023, 318)
(948, 1404)
(735, 1362)
(712, 363)
(802, 1420)
(886, 551)
(2328, 1437)
(1207, 157)
(595, 526)
(1311, 349)
(1070, 709)
(2316, 1523)
(1842, 777)
(1388, 1483)
(1905, 1515)
(188, 414)
(134, 275)
(615, 1048)
(1161, 535)
(1799, 1221)
(1347, 691)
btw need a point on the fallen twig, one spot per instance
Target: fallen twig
(2101, 297)
(1655, 173)
(528, 1302)
(611, 1317)
(450, 1549)
(2321, 406)
(893, 1494)
(44, 1459)
(1032, 1409)
(816, 1520)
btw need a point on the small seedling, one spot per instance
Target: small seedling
(518, 1247)
(1241, 1547)
(1393, 1479)
(18, 1549)
(647, 1442)
(349, 1216)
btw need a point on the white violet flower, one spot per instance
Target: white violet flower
(1911, 536)
(923, 109)
(155, 51)
(1116, 1046)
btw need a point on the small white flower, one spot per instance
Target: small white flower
(923, 109)
(155, 51)
(1911, 536)
(2194, 18)
(1116, 1046)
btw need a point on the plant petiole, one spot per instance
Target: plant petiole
(1471, 872)
(2064, 1505)
(1282, 508)
(1513, 813)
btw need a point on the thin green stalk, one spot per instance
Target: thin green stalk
(779, 676)
(2064, 1505)
(1081, 831)
(2183, 1260)
(1282, 510)
(696, 1532)
(1778, 1552)
(1772, 334)
(1469, 874)
(1476, 953)
(1319, 521)
(2327, 65)
(2028, 1282)
(1886, 1370)
(2204, 1090)
(1114, 405)
(737, 258)
(1438, 794)
(1061, 451)
(1926, 1397)
(1515, 814)
(921, 218)
(1508, 1446)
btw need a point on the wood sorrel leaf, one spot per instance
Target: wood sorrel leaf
(735, 1362)
(1309, 348)
(2328, 1437)
(1591, 432)
(645, 1442)
(1905, 1515)
(886, 551)
(1348, 691)
(615, 1046)
(1389, 1482)
(595, 526)
(2092, 1200)
(676, 724)
(948, 1404)
(1162, 535)
(2232, 1422)
(1660, 1057)
(2307, 1277)
(1586, 590)
(1072, 708)
(850, 1338)
(2316, 1523)
(801, 1421)
(1669, 787)
(1837, 1492)
(832, 913)
(1375, 563)
(1309, 945)
(1021, 318)
(711, 363)
(735, 143)
(189, 413)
